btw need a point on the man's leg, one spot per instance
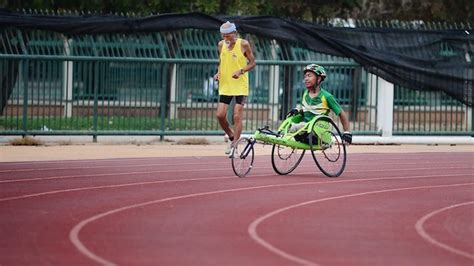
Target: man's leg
(238, 113)
(221, 117)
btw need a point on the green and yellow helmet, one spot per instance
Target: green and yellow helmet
(316, 69)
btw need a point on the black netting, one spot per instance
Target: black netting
(438, 60)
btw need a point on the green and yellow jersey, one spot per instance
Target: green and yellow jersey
(323, 103)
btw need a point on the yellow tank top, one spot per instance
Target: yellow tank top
(231, 61)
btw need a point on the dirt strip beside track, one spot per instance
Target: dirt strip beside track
(47, 152)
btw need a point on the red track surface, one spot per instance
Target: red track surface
(386, 209)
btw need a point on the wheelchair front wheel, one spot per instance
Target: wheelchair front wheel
(285, 159)
(242, 156)
(329, 152)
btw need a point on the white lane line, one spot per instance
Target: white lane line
(110, 186)
(358, 157)
(99, 167)
(108, 174)
(74, 233)
(80, 161)
(305, 164)
(252, 229)
(422, 232)
(213, 169)
(328, 181)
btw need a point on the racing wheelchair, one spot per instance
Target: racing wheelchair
(320, 136)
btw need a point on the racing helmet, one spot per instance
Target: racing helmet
(316, 69)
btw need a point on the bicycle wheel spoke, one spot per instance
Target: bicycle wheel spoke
(285, 159)
(242, 157)
(329, 153)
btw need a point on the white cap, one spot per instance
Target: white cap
(229, 27)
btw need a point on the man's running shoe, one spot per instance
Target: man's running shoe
(229, 148)
(230, 144)
(231, 153)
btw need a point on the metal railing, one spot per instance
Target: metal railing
(160, 84)
(158, 97)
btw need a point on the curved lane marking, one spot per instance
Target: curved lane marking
(74, 233)
(252, 229)
(421, 231)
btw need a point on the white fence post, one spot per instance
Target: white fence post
(173, 105)
(385, 107)
(67, 80)
(274, 92)
(469, 118)
(274, 82)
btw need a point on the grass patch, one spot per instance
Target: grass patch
(107, 123)
(193, 141)
(26, 141)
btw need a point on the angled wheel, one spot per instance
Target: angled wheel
(285, 159)
(242, 156)
(327, 148)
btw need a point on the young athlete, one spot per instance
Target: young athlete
(317, 100)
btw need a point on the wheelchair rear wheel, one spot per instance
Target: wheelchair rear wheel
(243, 156)
(285, 159)
(329, 152)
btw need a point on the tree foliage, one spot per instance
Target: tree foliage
(434, 10)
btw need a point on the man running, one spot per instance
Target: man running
(236, 59)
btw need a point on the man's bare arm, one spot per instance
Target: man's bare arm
(247, 50)
(219, 48)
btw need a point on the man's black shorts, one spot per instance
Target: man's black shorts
(239, 99)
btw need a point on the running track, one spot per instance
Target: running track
(386, 209)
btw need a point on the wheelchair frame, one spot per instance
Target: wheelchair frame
(324, 141)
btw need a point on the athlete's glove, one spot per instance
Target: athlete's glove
(293, 112)
(347, 137)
